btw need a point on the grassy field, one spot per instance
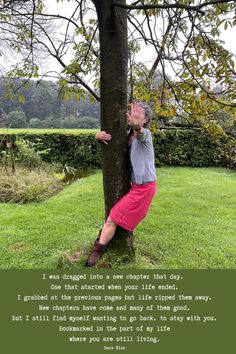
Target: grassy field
(43, 131)
(191, 224)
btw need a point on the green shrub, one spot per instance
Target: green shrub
(78, 151)
(16, 119)
(27, 155)
(193, 147)
(179, 147)
(28, 186)
(35, 123)
(88, 123)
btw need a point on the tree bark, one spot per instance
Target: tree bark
(112, 23)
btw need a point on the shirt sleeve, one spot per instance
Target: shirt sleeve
(145, 136)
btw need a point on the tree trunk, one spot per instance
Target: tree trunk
(113, 85)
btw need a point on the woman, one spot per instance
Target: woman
(133, 206)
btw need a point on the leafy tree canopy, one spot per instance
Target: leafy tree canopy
(190, 58)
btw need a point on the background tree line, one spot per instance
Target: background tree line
(40, 105)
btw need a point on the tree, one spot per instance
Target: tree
(16, 119)
(42, 99)
(52, 122)
(88, 123)
(188, 44)
(3, 117)
(35, 123)
(70, 122)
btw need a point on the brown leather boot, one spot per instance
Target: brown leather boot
(97, 252)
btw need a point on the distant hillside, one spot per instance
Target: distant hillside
(44, 108)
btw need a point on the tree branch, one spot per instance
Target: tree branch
(160, 6)
(197, 8)
(155, 64)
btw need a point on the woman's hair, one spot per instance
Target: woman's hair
(148, 113)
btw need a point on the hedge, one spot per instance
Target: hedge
(193, 147)
(78, 151)
(188, 147)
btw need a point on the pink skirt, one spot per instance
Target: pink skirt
(133, 206)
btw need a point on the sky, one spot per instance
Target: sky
(66, 7)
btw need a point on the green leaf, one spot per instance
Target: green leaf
(62, 82)
(21, 98)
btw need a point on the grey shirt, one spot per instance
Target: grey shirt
(142, 163)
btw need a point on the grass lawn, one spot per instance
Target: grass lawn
(191, 224)
(43, 131)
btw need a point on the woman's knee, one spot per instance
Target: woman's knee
(110, 222)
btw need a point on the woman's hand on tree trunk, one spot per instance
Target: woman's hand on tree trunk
(103, 136)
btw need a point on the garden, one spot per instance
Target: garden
(52, 205)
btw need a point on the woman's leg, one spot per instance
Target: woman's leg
(108, 231)
(99, 247)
